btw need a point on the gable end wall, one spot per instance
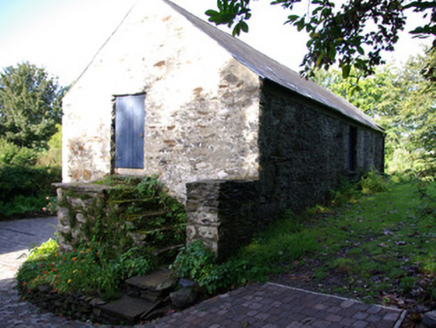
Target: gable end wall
(201, 105)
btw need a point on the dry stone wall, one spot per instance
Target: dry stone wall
(226, 214)
(74, 200)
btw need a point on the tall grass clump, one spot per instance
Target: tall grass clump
(374, 182)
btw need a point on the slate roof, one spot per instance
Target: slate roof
(268, 68)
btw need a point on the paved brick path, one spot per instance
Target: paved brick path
(272, 306)
(258, 305)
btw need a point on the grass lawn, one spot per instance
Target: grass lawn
(378, 248)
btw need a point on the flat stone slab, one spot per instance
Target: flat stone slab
(126, 308)
(155, 281)
(275, 306)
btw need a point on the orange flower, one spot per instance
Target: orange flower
(74, 258)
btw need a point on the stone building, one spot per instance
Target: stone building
(171, 95)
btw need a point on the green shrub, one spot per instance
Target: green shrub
(26, 181)
(52, 156)
(283, 242)
(374, 182)
(25, 189)
(11, 154)
(427, 198)
(21, 205)
(344, 193)
(197, 262)
(194, 261)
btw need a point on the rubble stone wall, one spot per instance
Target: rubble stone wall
(304, 151)
(305, 148)
(201, 105)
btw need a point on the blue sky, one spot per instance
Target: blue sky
(63, 35)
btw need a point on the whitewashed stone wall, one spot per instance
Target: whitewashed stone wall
(202, 106)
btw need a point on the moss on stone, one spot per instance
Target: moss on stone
(130, 211)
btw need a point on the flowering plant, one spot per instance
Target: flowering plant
(87, 269)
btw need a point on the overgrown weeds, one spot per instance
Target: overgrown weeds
(271, 251)
(374, 247)
(373, 182)
(106, 254)
(88, 269)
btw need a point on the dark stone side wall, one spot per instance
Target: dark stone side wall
(304, 150)
(225, 214)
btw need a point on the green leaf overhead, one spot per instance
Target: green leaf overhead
(355, 33)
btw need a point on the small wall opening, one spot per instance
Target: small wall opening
(352, 149)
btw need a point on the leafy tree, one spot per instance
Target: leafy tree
(418, 110)
(377, 96)
(30, 106)
(344, 36)
(53, 156)
(401, 100)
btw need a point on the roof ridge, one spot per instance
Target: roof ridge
(270, 69)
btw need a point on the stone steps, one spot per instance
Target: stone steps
(125, 310)
(154, 287)
(144, 298)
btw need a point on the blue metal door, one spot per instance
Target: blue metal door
(129, 131)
